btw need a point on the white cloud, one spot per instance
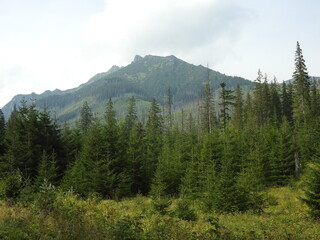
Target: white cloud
(198, 31)
(126, 28)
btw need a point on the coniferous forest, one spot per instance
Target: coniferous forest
(245, 165)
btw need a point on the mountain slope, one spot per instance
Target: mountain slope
(146, 78)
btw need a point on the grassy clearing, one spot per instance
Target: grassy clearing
(68, 217)
(287, 219)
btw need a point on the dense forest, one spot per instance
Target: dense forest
(223, 156)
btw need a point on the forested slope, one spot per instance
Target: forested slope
(147, 78)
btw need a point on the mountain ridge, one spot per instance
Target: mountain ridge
(145, 77)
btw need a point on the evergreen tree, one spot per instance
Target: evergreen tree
(301, 87)
(282, 156)
(190, 182)
(85, 117)
(137, 166)
(257, 102)
(276, 113)
(92, 171)
(301, 111)
(262, 100)
(238, 114)
(113, 150)
(169, 104)
(131, 116)
(51, 138)
(72, 143)
(315, 101)
(169, 171)
(207, 110)
(210, 161)
(227, 101)
(286, 103)
(249, 116)
(312, 191)
(225, 194)
(252, 175)
(154, 130)
(47, 170)
(29, 133)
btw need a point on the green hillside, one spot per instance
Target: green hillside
(146, 78)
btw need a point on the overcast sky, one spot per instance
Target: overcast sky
(46, 44)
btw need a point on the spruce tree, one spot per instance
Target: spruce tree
(226, 102)
(276, 112)
(169, 105)
(85, 117)
(169, 170)
(257, 102)
(301, 111)
(315, 101)
(113, 151)
(137, 166)
(72, 143)
(131, 116)
(225, 194)
(312, 190)
(238, 114)
(286, 103)
(92, 171)
(282, 155)
(249, 117)
(47, 170)
(154, 130)
(301, 87)
(207, 110)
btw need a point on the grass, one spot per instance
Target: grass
(287, 219)
(70, 217)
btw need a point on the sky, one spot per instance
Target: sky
(45, 44)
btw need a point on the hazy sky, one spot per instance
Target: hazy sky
(49, 44)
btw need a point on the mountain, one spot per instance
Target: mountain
(146, 77)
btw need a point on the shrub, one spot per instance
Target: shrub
(183, 211)
(161, 205)
(46, 197)
(126, 228)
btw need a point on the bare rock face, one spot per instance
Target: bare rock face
(137, 58)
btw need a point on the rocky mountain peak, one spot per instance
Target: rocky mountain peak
(137, 58)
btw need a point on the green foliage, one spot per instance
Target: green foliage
(207, 109)
(161, 205)
(312, 191)
(45, 198)
(85, 117)
(165, 155)
(301, 87)
(227, 101)
(238, 115)
(146, 79)
(11, 184)
(183, 211)
(71, 217)
(126, 228)
(169, 170)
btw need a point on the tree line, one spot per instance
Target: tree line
(223, 156)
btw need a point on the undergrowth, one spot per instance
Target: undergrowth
(61, 215)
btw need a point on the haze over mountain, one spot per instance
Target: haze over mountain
(146, 77)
